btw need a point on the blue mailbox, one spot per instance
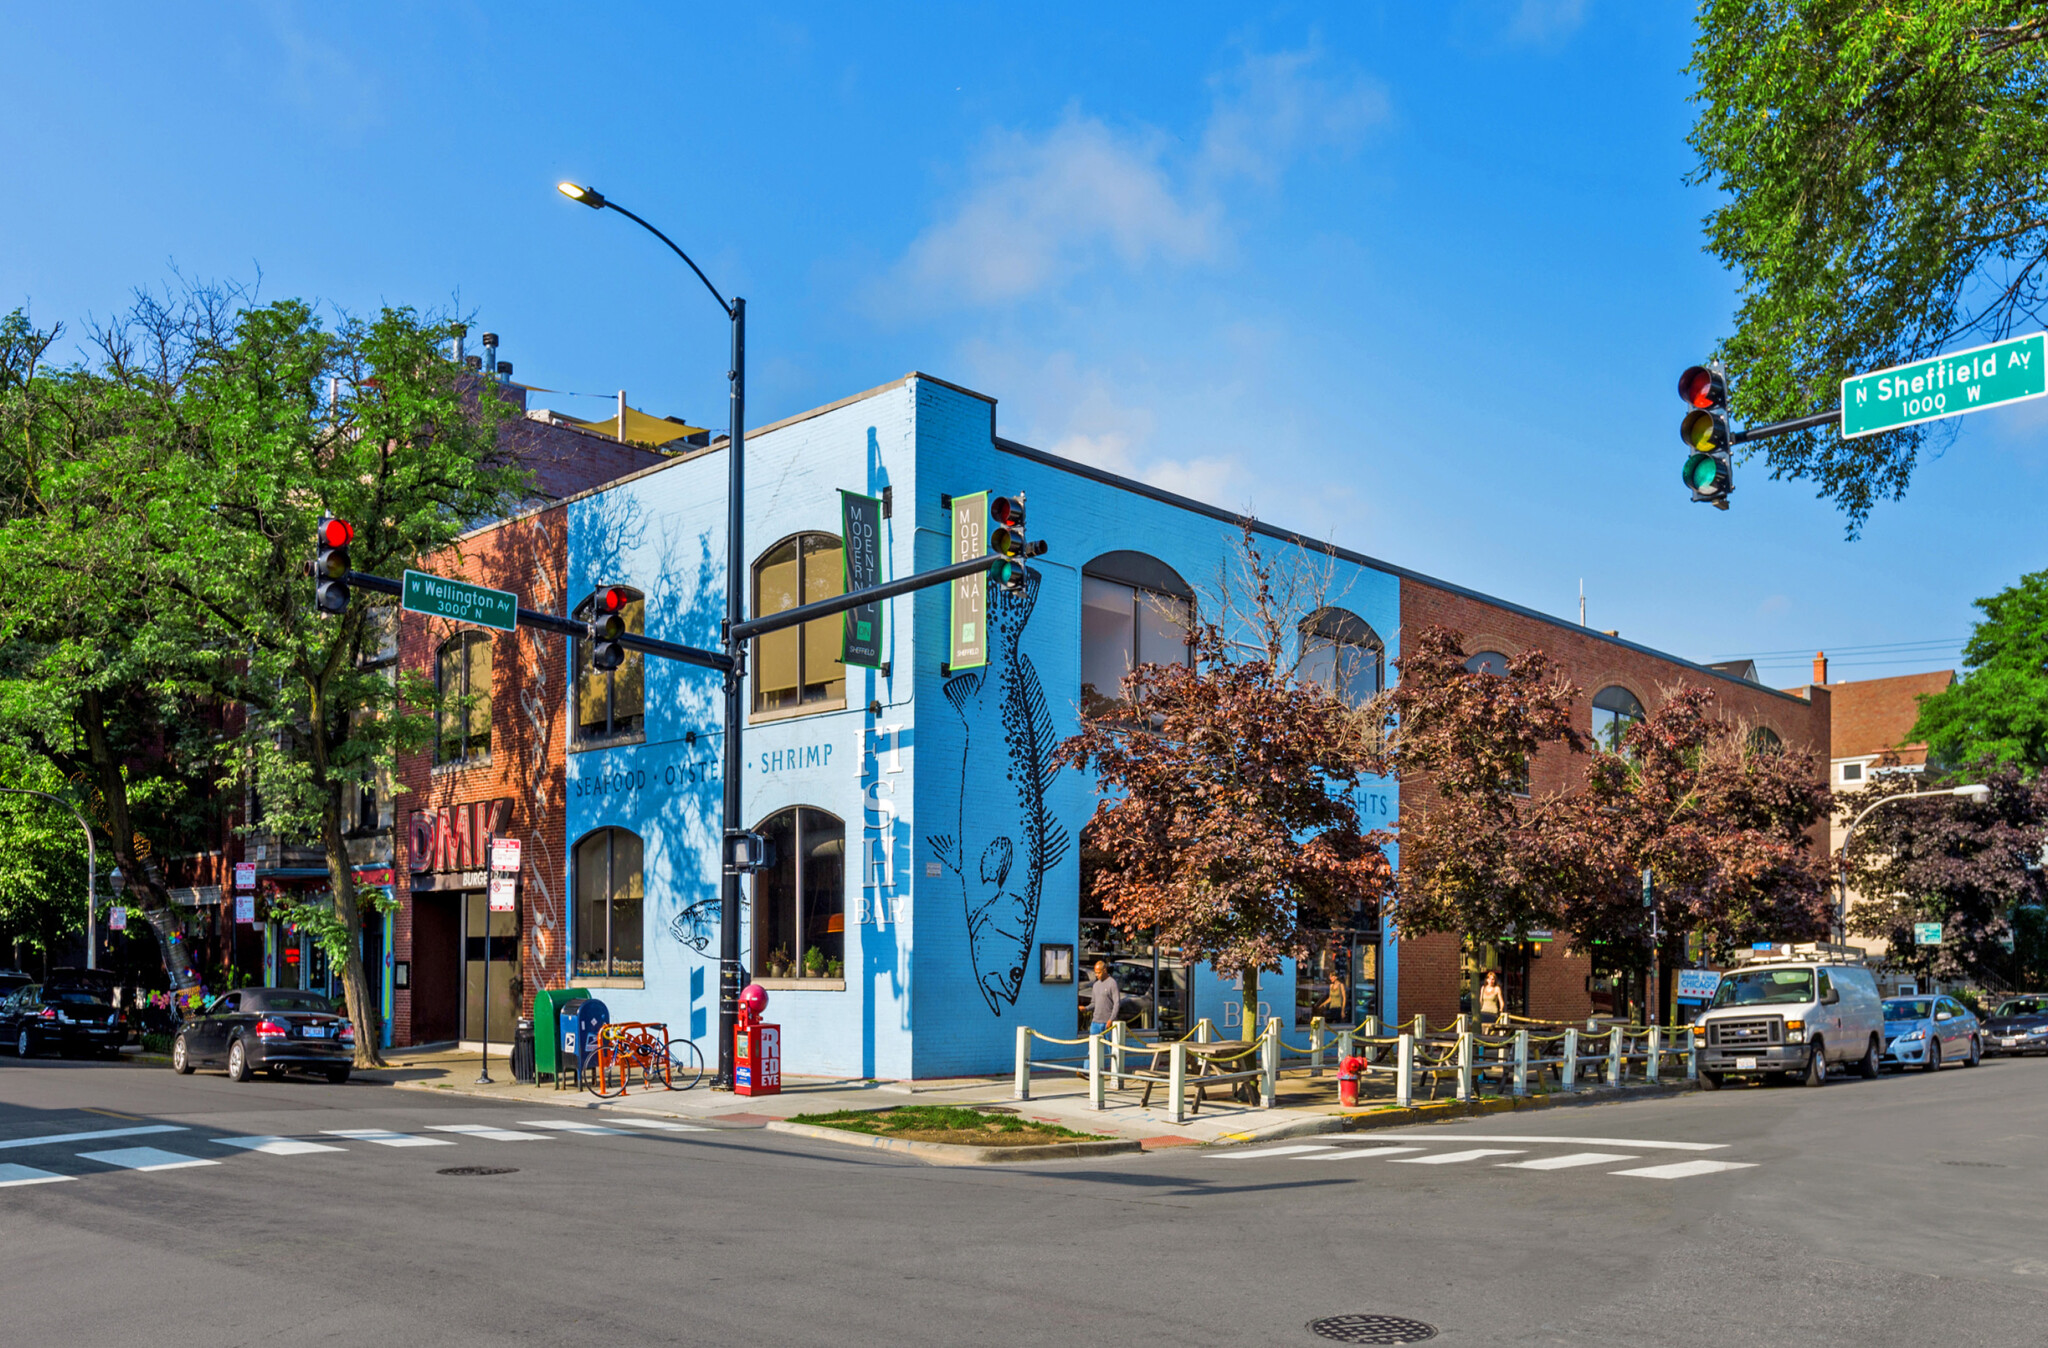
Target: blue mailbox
(582, 1017)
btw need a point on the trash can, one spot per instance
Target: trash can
(547, 1015)
(581, 1019)
(522, 1050)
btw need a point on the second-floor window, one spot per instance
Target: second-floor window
(1340, 651)
(611, 703)
(462, 679)
(799, 668)
(1615, 709)
(1135, 610)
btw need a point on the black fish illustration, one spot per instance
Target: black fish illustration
(1002, 897)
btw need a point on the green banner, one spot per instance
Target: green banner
(460, 601)
(860, 519)
(969, 646)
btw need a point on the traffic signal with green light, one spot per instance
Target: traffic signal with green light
(1709, 471)
(1006, 540)
(607, 625)
(331, 565)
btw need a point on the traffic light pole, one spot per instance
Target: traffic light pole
(1770, 429)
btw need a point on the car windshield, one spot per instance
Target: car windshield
(1765, 985)
(2023, 1006)
(291, 1001)
(1906, 1008)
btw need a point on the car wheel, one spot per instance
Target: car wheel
(238, 1061)
(1933, 1062)
(337, 1076)
(1710, 1081)
(1816, 1067)
(181, 1057)
(1873, 1061)
(24, 1047)
(1976, 1053)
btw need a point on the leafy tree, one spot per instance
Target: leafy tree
(1999, 709)
(1476, 851)
(1229, 820)
(1881, 168)
(42, 858)
(1975, 869)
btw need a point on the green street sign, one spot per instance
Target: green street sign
(460, 601)
(1926, 933)
(1945, 386)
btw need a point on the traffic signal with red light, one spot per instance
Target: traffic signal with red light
(1708, 471)
(607, 625)
(331, 565)
(1006, 540)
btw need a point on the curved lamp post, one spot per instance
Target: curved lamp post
(92, 867)
(735, 613)
(1976, 794)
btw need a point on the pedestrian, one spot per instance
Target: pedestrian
(1104, 999)
(1492, 1000)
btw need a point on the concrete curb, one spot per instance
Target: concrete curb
(947, 1153)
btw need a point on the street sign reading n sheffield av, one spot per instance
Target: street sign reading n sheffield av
(460, 601)
(1945, 386)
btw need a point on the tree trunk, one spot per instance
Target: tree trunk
(363, 1010)
(1251, 1029)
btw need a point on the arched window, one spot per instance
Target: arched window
(1340, 651)
(611, 703)
(1135, 610)
(800, 900)
(1764, 740)
(1487, 662)
(799, 668)
(462, 686)
(1615, 709)
(609, 902)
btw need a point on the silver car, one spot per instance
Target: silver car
(1925, 1032)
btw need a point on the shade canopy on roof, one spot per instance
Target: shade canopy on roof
(641, 429)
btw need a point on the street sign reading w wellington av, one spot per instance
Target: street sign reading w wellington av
(461, 601)
(1945, 386)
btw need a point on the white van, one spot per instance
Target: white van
(1791, 1019)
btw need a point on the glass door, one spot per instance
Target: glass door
(503, 964)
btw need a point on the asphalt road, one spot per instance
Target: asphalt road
(1911, 1210)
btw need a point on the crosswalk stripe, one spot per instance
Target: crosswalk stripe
(1453, 1157)
(1353, 1153)
(1685, 1169)
(51, 1139)
(1632, 1143)
(384, 1137)
(13, 1175)
(144, 1158)
(1271, 1151)
(573, 1126)
(276, 1146)
(485, 1131)
(1567, 1162)
(664, 1125)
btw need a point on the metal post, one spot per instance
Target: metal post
(1023, 1090)
(1465, 1066)
(1177, 1081)
(1315, 1046)
(1269, 1064)
(1095, 1071)
(1656, 1052)
(1568, 1079)
(1116, 1049)
(1614, 1056)
(735, 688)
(1521, 1062)
(1404, 1072)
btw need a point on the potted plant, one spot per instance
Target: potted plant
(778, 962)
(835, 968)
(814, 963)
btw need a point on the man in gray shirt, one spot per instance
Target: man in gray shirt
(1103, 1000)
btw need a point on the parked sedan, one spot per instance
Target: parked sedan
(35, 1018)
(2020, 1025)
(276, 1029)
(1925, 1032)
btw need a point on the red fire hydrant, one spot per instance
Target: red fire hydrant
(1347, 1081)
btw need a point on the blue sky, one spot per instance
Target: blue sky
(1416, 278)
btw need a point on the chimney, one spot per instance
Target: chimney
(461, 331)
(1820, 666)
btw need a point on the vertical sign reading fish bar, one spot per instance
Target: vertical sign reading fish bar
(970, 593)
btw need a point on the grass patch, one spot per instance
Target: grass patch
(947, 1123)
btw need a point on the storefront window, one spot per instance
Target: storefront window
(1151, 978)
(609, 902)
(611, 703)
(1135, 610)
(1340, 651)
(462, 681)
(1339, 980)
(800, 901)
(799, 668)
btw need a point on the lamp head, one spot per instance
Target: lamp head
(1976, 794)
(589, 196)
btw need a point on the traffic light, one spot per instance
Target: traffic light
(607, 625)
(1708, 470)
(331, 565)
(1007, 541)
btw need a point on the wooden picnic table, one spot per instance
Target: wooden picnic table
(1202, 1062)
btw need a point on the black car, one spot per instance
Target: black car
(38, 1017)
(2019, 1026)
(277, 1029)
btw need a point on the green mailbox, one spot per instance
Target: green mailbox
(547, 1036)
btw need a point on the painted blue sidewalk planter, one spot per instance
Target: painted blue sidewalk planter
(927, 847)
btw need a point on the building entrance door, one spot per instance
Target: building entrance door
(504, 963)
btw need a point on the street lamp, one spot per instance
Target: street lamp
(92, 868)
(735, 614)
(1976, 794)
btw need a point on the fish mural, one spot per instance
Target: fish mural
(1001, 853)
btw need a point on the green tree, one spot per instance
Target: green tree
(1998, 710)
(42, 858)
(1882, 169)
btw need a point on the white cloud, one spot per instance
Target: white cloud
(1546, 21)
(1273, 108)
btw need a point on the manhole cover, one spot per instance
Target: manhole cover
(513, 1170)
(1372, 1329)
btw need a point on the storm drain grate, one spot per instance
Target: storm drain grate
(1372, 1329)
(510, 1170)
